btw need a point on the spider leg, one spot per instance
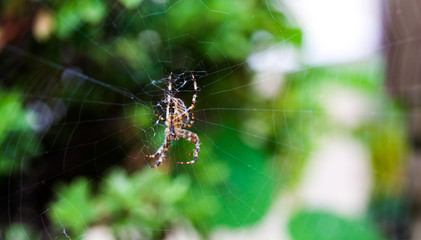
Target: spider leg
(191, 122)
(170, 96)
(192, 137)
(169, 83)
(161, 118)
(161, 151)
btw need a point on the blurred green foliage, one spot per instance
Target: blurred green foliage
(246, 197)
(318, 225)
(17, 138)
(380, 130)
(148, 202)
(310, 120)
(73, 14)
(222, 29)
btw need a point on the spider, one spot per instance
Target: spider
(177, 118)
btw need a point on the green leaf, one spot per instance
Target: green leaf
(248, 193)
(326, 226)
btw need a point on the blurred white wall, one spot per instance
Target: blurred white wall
(337, 31)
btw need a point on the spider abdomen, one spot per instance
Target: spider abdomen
(180, 109)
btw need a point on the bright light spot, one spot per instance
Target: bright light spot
(346, 106)
(338, 31)
(270, 66)
(262, 40)
(268, 84)
(99, 233)
(278, 60)
(40, 116)
(43, 25)
(273, 226)
(338, 177)
(183, 231)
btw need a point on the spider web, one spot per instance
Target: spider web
(262, 118)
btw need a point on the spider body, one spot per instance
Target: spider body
(176, 118)
(176, 108)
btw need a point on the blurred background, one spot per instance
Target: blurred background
(308, 117)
